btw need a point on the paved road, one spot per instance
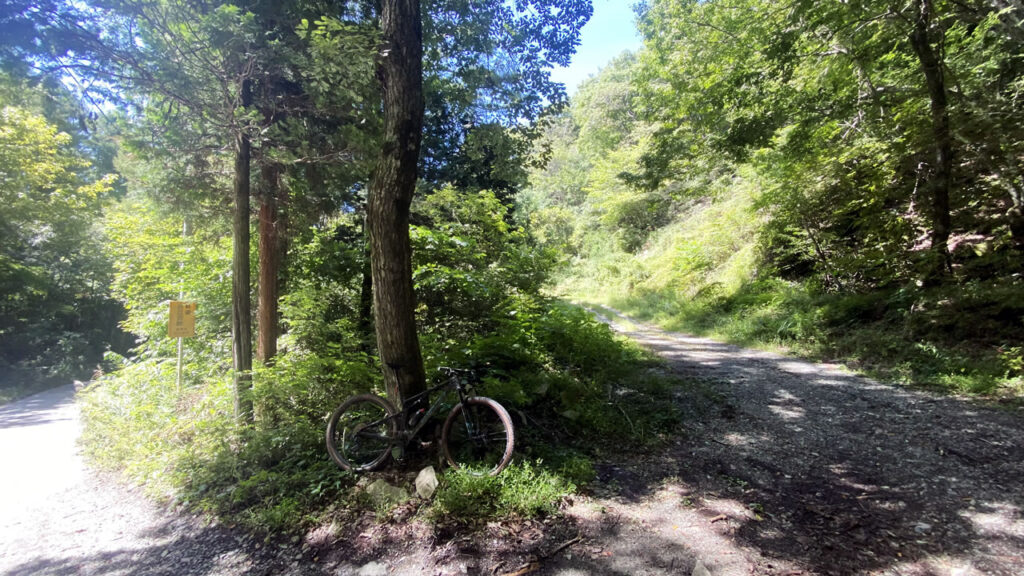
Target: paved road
(38, 452)
(58, 518)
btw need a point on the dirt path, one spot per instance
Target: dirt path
(57, 518)
(792, 467)
(786, 468)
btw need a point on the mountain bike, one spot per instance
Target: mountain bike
(477, 435)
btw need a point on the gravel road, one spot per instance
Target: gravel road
(790, 467)
(58, 518)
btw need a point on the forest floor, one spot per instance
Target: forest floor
(785, 467)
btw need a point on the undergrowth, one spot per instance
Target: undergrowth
(574, 389)
(706, 274)
(522, 490)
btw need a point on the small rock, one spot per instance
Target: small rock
(700, 569)
(373, 569)
(426, 482)
(921, 528)
(383, 493)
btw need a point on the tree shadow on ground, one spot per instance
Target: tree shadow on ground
(42, 408)
(835, 472)
(178, 548)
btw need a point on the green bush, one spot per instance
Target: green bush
(478, 281)
(522, 490)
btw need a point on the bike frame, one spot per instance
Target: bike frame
(454, 382)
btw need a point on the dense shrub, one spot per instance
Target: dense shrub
(478, 278)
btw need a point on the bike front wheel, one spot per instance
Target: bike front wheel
(361, 432)
(478, 436)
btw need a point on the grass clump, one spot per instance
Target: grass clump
(522, 490)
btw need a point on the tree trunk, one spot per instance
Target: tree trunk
(400, 70)
(939, 181)
(364, 325)
(241, 300)
(271, 232)
(1015, 216)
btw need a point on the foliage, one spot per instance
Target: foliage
(522, 490)
(764, 172)
(469, 260)
(55, 313)
(486, 83)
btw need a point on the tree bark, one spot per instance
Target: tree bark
(400, 70)
(1015, 218)
(364, 325)
(271, 233)
(241, 299)
(941, 176)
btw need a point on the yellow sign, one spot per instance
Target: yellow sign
(183, 320)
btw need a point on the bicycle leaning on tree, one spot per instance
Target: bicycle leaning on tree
(477, 436)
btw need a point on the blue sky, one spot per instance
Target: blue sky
(610, 31)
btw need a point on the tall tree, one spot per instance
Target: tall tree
(486, 83)
(924, 36)
(400, 70)
(241, 298)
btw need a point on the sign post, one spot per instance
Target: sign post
(182, 325)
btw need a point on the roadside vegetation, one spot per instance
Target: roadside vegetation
(774, 175)
(574, 389)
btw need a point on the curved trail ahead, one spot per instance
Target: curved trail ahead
(791, 467)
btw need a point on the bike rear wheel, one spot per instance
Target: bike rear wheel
(361, 432)
(478, 437)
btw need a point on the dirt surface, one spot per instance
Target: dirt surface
(791, 467)
(785, 467)
(58, 518)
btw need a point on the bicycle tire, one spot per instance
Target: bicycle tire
(361, 432)
(478, 436)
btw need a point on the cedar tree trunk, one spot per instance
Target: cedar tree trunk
(364, 325)
(939, 181)
(400, 70)
(271, 228)
(241, 300)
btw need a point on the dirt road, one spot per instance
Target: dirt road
(791, 467)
